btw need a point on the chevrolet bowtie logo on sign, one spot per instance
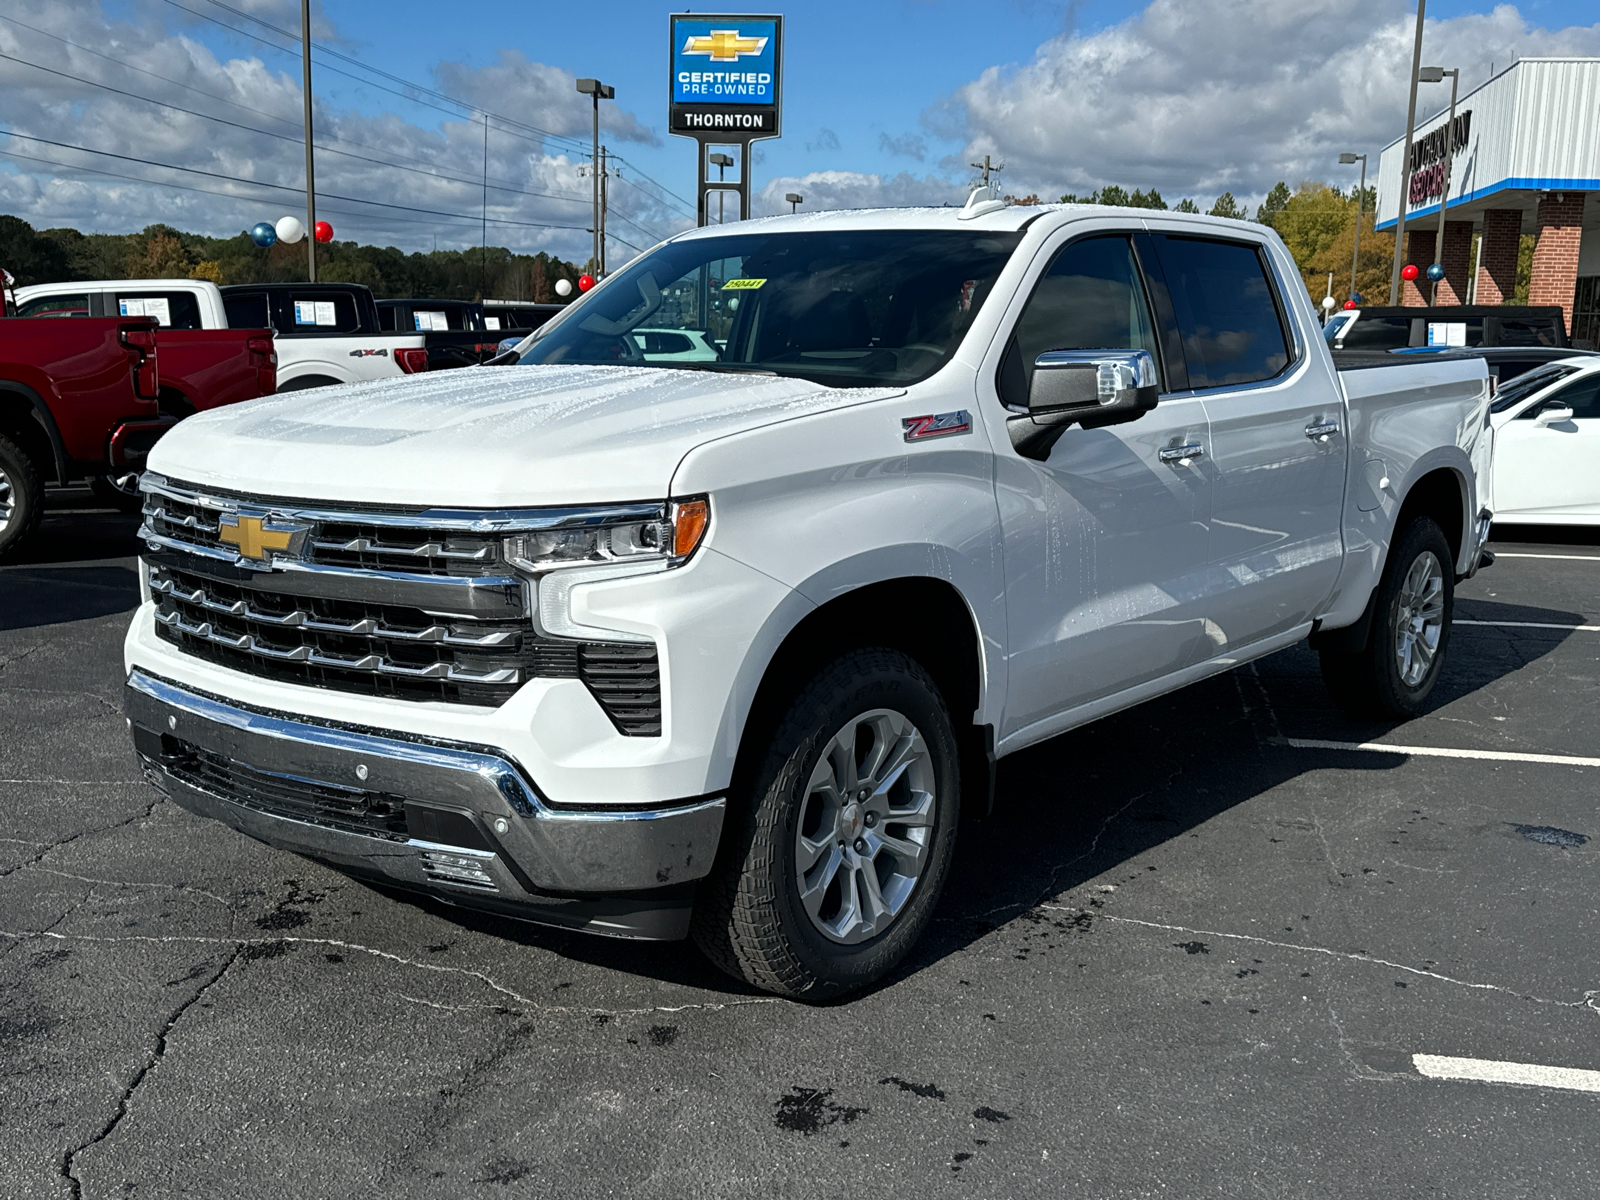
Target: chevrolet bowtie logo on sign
(724, 45)
(254, 539)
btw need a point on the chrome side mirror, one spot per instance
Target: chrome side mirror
(1554, 414)
(1082, 387)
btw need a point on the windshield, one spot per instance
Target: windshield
(844, 309)
(1528, 383)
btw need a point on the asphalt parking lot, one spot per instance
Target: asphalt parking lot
(1190, 955)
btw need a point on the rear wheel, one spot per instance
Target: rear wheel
(847, 834)
(21, 496)
(1410, 633)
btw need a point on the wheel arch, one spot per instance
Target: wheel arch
(924, 617)
(1441, 491)
(27, 420)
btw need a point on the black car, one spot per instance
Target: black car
(454, 331)
(1458, 325)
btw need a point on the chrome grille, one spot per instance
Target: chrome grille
(452, 626)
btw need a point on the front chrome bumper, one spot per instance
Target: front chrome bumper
(462, 824)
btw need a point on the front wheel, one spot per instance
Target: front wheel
(847, 834)
(21, 496)
(1405, 650)
(114, 494)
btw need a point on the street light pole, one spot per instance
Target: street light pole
(599, 91)
(1444, 194)
(721, 162)
(1405, 161)
(1361, 196)
(311, 175)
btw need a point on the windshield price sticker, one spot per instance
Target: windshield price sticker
(742, 285)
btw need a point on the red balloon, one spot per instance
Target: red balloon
(585, 282)
(1409, 272)
(1349, 303)
(324, 232)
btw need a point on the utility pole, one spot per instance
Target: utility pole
(987, 167)
(1444, 193)
(1405, 161)
(311, 175)
(598, 91)
(483, 250)
(1361, 197)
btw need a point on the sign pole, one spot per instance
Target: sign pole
(1405, 162)
(311, 176)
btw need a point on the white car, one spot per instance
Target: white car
(665, 345)
(1547, 445)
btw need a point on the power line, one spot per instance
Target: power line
(280, 136)
(278, 187)
(236, 104)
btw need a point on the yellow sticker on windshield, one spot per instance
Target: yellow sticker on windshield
(742, 285)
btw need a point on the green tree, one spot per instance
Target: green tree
(1227, 206)
(29, 257)
(1277, 200)
(1118, 196)
(1187, 206)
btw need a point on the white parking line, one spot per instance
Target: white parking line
(1564, 557)
(1560, 760)
(1531, 625)
(1437, 1066)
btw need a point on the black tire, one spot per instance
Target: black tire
(1370, 683)
(108, 493)
(749, 916)
(22, 493)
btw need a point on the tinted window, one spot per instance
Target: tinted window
(844, 308)
(1227, 314)
(1523, 332)
(1582, 396)
(175, 310)
(1091, 298)
(1528, 383)
(665, 343)
(1377, 333)
(246, 310)
(76, 305)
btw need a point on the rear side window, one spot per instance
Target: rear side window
(322, 313)
(1091, 298)
(1228, 316)
(246, 310)
(65, 305)
(174, 310)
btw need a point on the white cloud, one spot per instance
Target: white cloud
(1195, 97)
(537, 199)
(855, 189)
(905, 145)
(826, 140)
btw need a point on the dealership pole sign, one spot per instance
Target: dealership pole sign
(726, 89)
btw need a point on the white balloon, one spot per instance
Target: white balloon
(563, 287)
(290, 230)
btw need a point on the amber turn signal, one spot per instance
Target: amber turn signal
(689, 521)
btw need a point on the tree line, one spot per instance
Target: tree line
(162, 252)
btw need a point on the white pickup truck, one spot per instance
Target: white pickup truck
(322, 333)
(724, 648)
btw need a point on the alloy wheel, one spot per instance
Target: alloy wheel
(865, 827)
(1419, 619)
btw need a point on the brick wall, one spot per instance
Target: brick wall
(1456, 258)
(1497, 260)
(1419, 250)
(1555, 254)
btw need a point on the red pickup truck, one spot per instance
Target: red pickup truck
(87, 398)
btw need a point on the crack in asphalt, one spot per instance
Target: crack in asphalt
(50, 847)
(129, 883)
(1589, 1000)
(156, 1056)
(529, 1005)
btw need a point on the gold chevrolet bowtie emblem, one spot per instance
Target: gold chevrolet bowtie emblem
(724, 45)
(252, 537)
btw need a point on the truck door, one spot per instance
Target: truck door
(1105, 541)
(1278, 440)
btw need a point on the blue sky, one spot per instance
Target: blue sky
(884, 103)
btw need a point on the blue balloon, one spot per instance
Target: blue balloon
(264, 235)
(1436, 272)
(1355, 298)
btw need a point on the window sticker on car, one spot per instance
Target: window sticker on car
(305, 312)
(964, 302)
(742, 285)
(325, 313)
(148, 306)
(430, 320)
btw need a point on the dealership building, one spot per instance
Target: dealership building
(1526, 160)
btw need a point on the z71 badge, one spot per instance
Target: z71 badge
(937, 425)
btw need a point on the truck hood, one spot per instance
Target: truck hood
(485, 437)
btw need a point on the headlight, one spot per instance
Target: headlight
(669, 537)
